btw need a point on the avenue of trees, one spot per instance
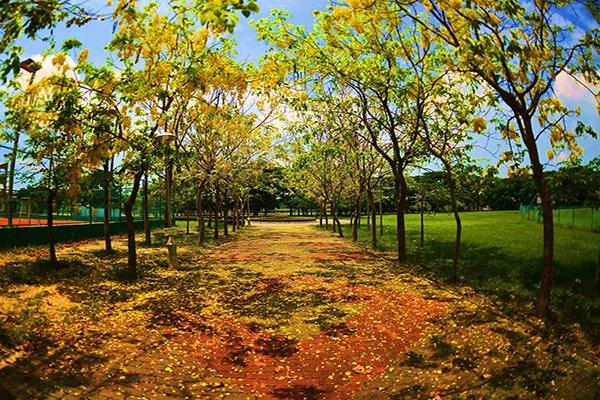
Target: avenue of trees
(346, 117)
(480, 188)
(415, 82)
(172, 101)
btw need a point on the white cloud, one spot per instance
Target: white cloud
(569, 89)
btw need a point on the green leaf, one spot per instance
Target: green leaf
(16, 64)
(585, 130)
(70, 44)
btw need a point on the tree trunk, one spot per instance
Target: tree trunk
(168, 187)
(321, 216)
(333, 218)
(243, 211)
(50, 222)
(400, 197)
(106, 186)
(543, 305)
(225, 214)
(373, 216)
(339, 225)
(210, 211)
(200, 215)
(147, 234)
(336, 221)
(131, 247)
(454, 204)
(242, 214)
(248, 207)
(548, 255)
(215, 210)
(355, 219)
(234, 216)
(380, 217)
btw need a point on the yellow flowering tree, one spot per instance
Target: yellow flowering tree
(53, 114)
(165, 63)
(518, 52)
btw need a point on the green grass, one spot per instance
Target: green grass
(579, 218)
(501, 255)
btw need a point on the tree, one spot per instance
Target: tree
(449, 109)
(575, 184)
(14, 135)
(318, 161)
(226, 138)
(518, 52)
(51, 112)
(360, 51)
(104, 103)
(160, 56)
(426, 195)
(365, 167)
(27, 17)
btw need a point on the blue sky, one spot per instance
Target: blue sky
(96, 34)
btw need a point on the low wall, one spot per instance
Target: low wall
(36, 235)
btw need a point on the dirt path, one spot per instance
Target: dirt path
(284, 311)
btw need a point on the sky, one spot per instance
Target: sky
(96, 34)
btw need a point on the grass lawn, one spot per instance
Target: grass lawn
(580, 218)
(501, 255)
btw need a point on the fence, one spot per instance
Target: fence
(37, 235)
(31, 210)
(585, 218)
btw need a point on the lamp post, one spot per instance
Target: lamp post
(31, 67)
